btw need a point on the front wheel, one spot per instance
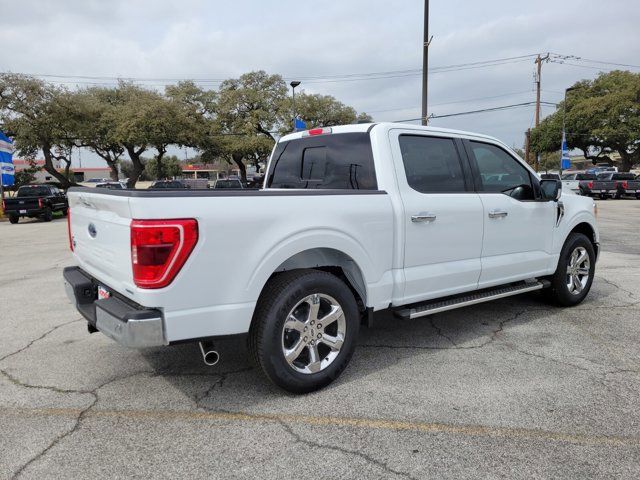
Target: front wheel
(13, 218)
(48, 215)
(572, 280)
(304, 329)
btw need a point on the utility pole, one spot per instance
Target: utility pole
(539, 61)
(425, 63)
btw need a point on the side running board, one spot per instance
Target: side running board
(441, 305)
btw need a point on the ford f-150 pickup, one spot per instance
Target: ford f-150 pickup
(350, 220)
(35, 201)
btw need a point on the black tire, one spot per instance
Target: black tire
(603, 196)
(14, 218)
(64, 212)
(267, 338)
(48, 215)
(559, 292)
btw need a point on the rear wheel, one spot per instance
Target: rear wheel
(13, 218)
(572, 280)
(304, 329)
(48, 215)
(64, 212)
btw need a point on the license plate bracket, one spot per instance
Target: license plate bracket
(103, 293)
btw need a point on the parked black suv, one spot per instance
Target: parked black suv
(35, 201)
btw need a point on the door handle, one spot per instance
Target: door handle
(423, 217)
(498, 214)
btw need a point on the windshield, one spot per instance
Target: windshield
(604, 176)
(569, 176)
(33, 191)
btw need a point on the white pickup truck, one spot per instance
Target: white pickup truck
(351, 220)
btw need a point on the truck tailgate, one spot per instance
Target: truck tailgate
(100, 228)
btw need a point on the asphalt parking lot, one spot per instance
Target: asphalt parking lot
(514, 388)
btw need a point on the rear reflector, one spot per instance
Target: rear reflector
(69, 229)
(159, 249)
(316, 131)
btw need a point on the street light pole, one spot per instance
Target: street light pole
(294, 84)
(564, 121)
(425, 63)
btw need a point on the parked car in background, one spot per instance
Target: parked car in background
(112, 185)
(602, 187)
(256, 182)
(550, 176)
(35, 201)
(626, 183)
(97, 180)
(168, 184)
(577, 182)
(352, 219)
(230, 183)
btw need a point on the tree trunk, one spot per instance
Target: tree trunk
(243, 170)
(138, 166)
(627, 160)
(48, 166)
(159, 172)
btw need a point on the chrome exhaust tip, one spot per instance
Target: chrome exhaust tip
(210, 355)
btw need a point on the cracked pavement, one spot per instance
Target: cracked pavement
(513, 388)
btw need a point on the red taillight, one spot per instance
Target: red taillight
(40, 203)
(317, 131)
(590, 184)
(69, 229)
(159, 249)
(625, 185)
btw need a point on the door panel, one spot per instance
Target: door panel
(518, 228)
(442, 217)
(518, 245)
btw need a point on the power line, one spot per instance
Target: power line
(99, 79)
(482, 110)
(468, 100)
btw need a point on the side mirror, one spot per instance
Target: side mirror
(551, 189)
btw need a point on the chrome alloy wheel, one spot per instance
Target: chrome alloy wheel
(313, 333)
(578, 269)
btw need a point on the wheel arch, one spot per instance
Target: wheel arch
(587, 230)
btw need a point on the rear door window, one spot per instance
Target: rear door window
(431, 164)
(334, 161)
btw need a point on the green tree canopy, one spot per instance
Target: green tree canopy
(602, 116)
(35, 114)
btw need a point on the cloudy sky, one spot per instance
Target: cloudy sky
(323, 42)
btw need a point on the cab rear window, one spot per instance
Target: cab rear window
(341, 161)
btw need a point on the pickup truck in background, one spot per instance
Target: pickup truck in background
(577, 182)
(626, 183)
(602, 187)
(35, 201)
(351, 220)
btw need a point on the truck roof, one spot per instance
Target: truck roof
(365, 127)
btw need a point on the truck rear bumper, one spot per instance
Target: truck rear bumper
(125, 322)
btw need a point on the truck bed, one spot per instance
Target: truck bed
(244, 236)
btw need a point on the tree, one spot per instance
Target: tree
(250, 110)
(171, 167)
(26, 175)
(602, 116)
(93, 120)
(35, 114)
(324, 111)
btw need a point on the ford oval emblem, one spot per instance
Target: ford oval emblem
(92, 230)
